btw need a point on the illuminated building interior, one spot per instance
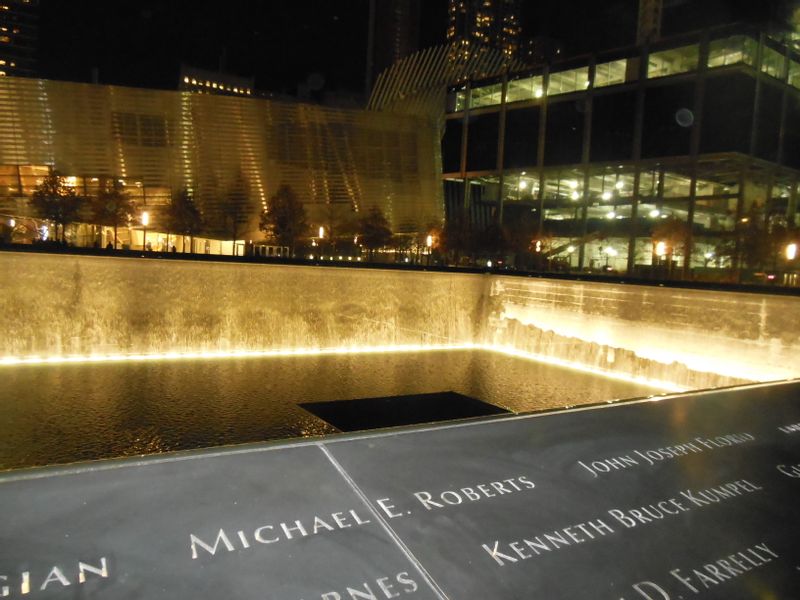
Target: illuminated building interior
(635, 161)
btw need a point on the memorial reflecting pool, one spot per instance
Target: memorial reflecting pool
(72, 412)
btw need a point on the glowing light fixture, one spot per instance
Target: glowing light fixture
(570, 249)
(145, 218)
(523, 184)
(575, 195)
(429, 241)
(619, 185)
(791, 251)
(610, 214)
(573, 185)
(606, 196)
(661, 249)
(654, 213)
(321, 232)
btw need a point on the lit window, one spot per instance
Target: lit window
(610, 73)
(525, 89)
(731, 51)
(672, 62)
(488, 95)
(461, 100)
(4, 39)
(2, 62)
(772, 63)
(568, 81)
(2, 73)
(794, 74)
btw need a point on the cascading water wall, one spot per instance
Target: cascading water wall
(695, 339)
(64, 307)
(60, 306)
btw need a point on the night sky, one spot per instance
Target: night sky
(142, 42)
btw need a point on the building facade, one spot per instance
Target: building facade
(671, 156)
(394, 30)
(489, 23)
(19, 35)
(221, 148)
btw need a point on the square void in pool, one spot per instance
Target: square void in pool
(395, 411)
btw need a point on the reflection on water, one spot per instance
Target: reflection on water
(66, 413)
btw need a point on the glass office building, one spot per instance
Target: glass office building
(641, 159)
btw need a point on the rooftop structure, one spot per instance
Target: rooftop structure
(205, 81)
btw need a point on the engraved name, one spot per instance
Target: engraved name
(651, 457)
(272, 534)
(27, 583)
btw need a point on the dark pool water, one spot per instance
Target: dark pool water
(67, 413)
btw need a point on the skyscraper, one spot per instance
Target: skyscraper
(19, 34)
(492, 23)
(393, 34)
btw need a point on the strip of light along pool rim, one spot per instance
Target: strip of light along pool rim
(338, 350)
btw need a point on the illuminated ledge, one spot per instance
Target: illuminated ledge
(341, 350)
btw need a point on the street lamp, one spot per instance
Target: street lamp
(429, 244)
(145, 223)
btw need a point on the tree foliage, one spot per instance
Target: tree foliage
(113, 206)
(183, 216)
(373, 230)
(56, 202)
(284, 221)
